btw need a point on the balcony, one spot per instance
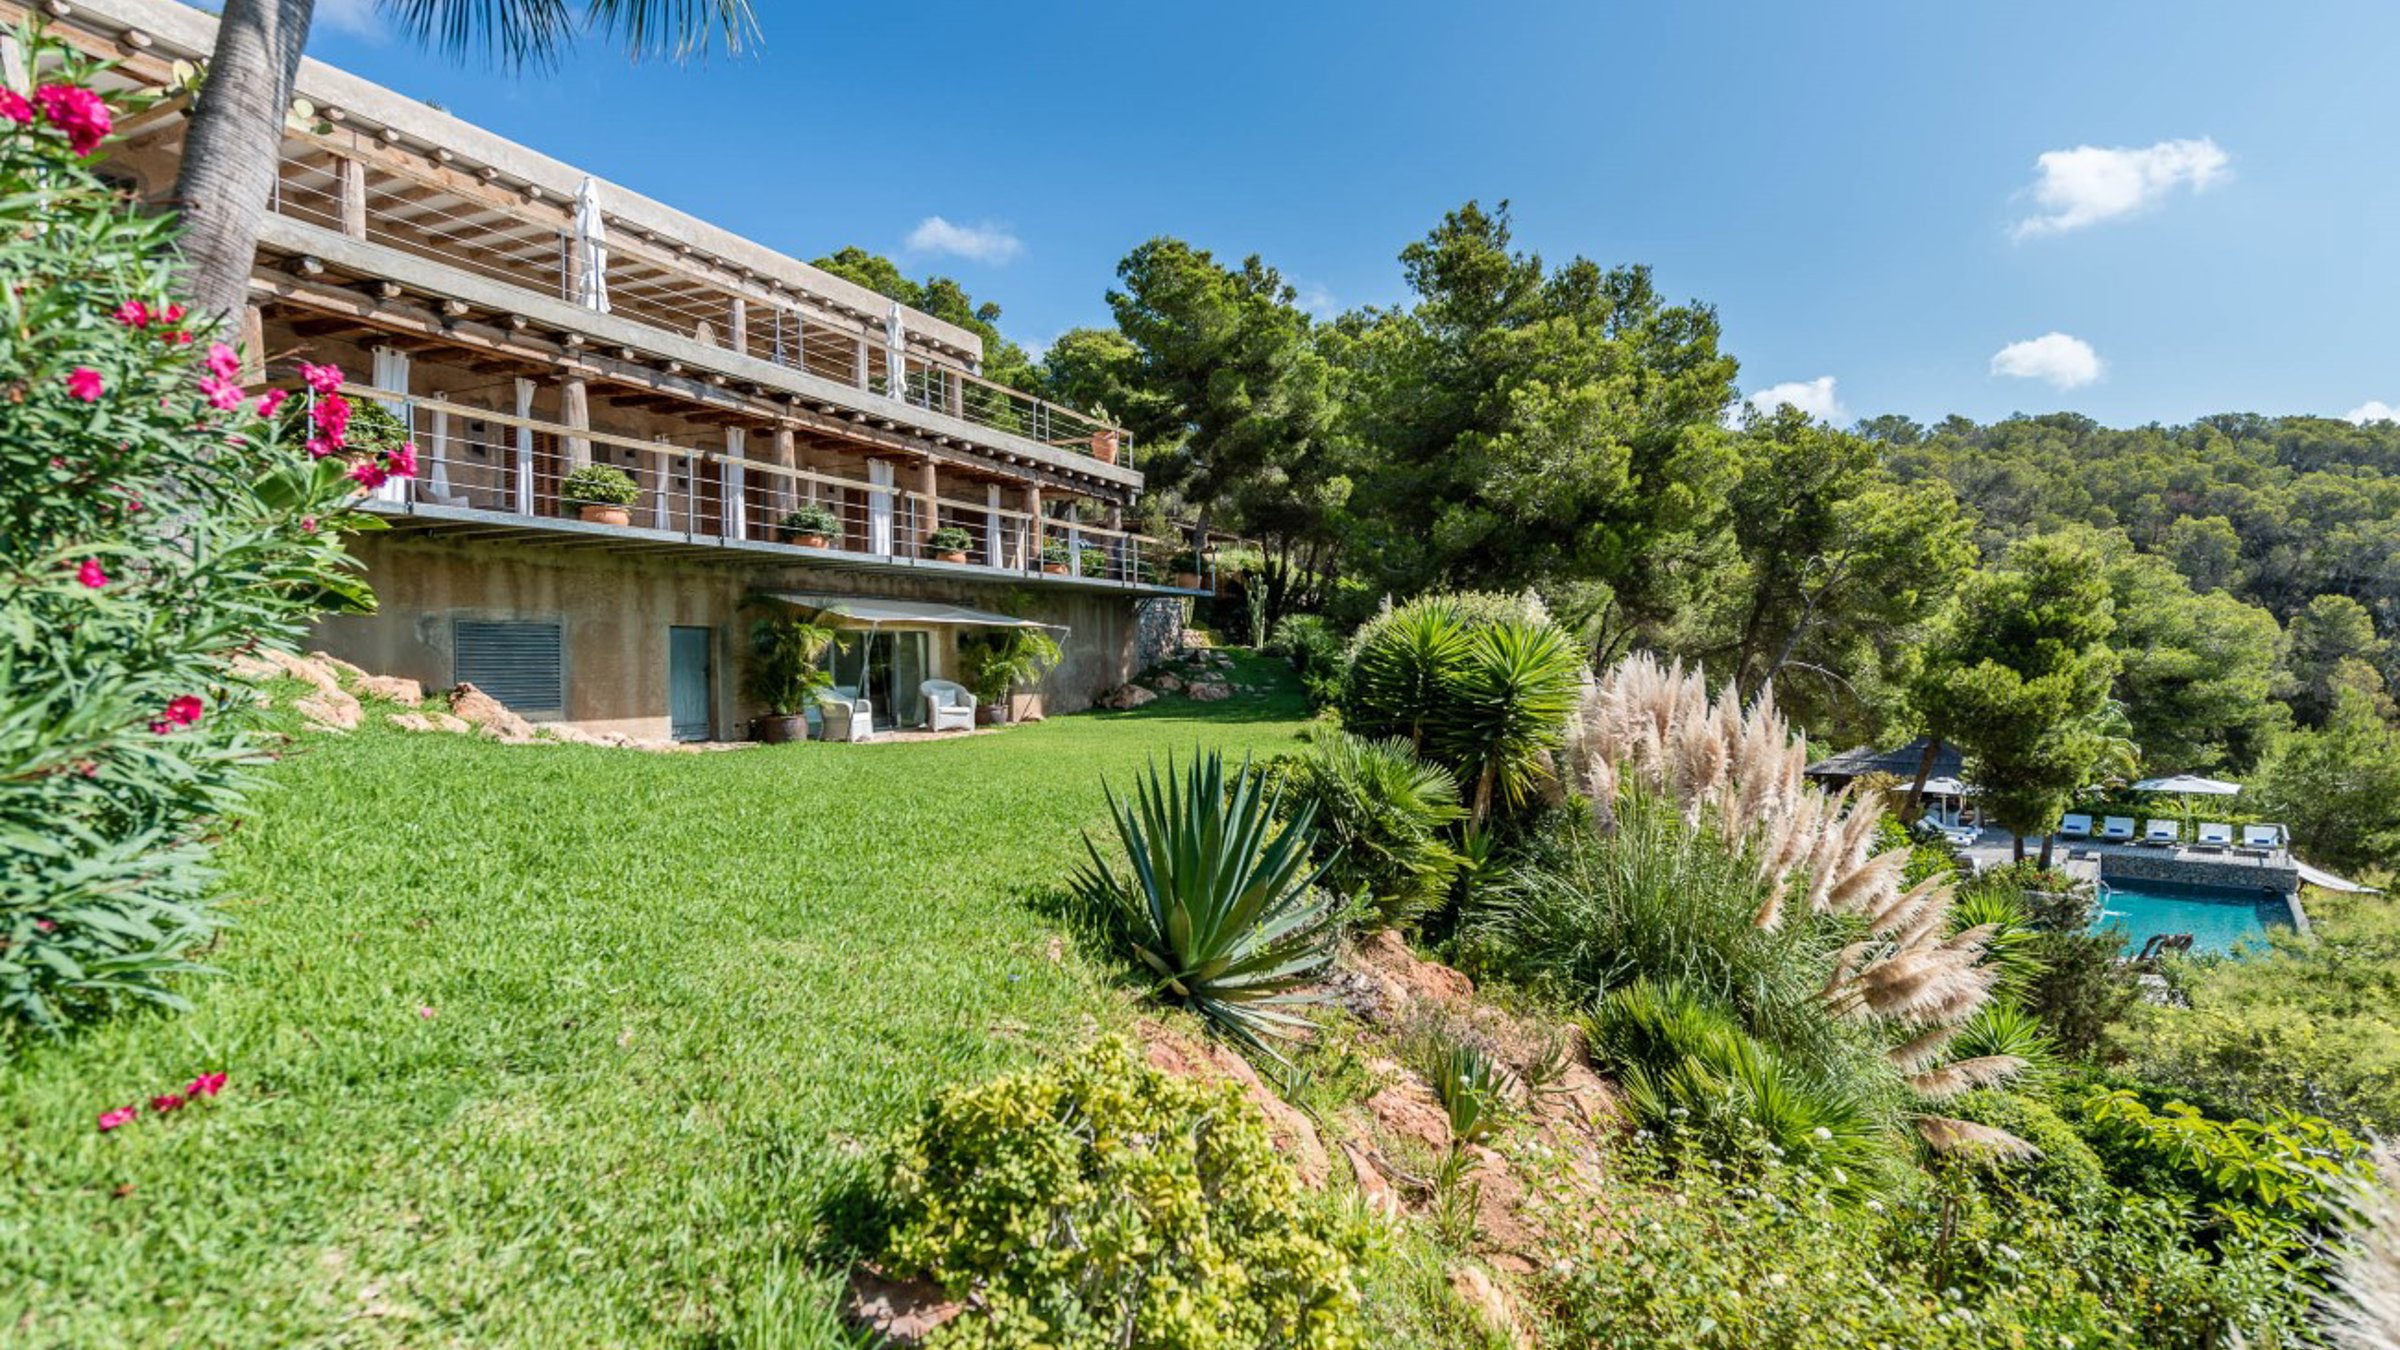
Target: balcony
(365, 189)
(482, 473)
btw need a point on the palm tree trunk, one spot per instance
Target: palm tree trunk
(231, 148)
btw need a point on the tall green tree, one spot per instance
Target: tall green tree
(1004, 362)
(1234, 398)
(1523, 426)
(2331, 646)
(2019, 679)
(2337, 787)
(2196, 672)
(1841, 567)
(234, 142)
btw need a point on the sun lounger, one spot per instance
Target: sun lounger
(2117, 829)
(2162, 834)
(2075, 826)
(2261, 839)
(2215, 838)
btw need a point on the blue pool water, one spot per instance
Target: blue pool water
(2219, 920)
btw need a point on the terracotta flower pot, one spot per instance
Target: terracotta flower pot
(1187, 581)
(601, 514)
(1055, 569)
(956, 555)
(808, 540)
(779, 728)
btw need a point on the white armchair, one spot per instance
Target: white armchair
(846, 716)
(948, 706)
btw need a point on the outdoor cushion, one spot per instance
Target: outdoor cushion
(2117, 827)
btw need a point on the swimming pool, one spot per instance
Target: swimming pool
(2219, 919)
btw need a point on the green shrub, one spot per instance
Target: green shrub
(1055, 553)
(784, 672)
(811, 518)
(2063, 1173)
(599, 485)
(1308, 642)
(2276, 1184)
(949, 539)
(1484, 690)
(1220, 905)
(1101, 1203)
(1381, 816)
(158, 531)
(1693, 1078)
(1726, 1259)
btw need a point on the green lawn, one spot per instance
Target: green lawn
(675, 1001)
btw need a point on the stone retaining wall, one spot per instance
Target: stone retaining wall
(2274, 875)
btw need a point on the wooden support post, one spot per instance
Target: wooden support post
(737, 326)
(1033, 527)
(933, 504)
(992, 554)
(525, 484)
(575, 409)
(787, 455)
(733, 508)
(353, 175)
(860, 377)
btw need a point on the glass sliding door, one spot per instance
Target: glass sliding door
(888, 668)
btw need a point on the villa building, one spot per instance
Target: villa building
(525, 318)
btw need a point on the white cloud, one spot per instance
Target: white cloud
(2065, 362)
(2090, 184)
(355, 17)
(1814, 397)
(985, 243)
(2373, 410)
(1315, 301)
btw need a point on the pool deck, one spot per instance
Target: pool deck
(2091, 860)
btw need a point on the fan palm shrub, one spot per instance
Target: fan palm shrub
(1220, 904)
(1382, 820)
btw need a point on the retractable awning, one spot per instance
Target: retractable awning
(861, 611)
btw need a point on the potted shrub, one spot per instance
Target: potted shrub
(811, 526)
(602, 493)
(949, 544)
(1006, 663)
(1093, 563)
(1054, 557)
(787, 675)
(1186, 567)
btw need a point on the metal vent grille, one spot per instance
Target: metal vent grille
(520, 664)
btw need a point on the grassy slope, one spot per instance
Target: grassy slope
(675, 1001)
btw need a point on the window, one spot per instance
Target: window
(519, 663)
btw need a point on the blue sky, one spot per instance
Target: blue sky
(1859, 188)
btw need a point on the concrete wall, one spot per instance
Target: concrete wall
(2275, 875)
(616, 609)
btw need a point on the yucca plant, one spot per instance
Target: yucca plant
(1221, 905)
(1505, 708)
(1400, 669)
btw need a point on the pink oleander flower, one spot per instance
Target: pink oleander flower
(323, 379)
(425, 1011)
(223, 395)
(206, 1085)
(182, 711)
(167, 1101)
(84, 383)
(51, 925)
(181, 337)
(332, 416)
(91, 574)
(170, 313)
(319, 447)
(15, 107)
(402, 460)
(134, 314)
(271, 400)
(76, 111)
(123, 1115)
(224, 362)
(369, 474)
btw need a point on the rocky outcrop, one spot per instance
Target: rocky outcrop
(488, 716)
(1171, 1051)
(392, 689)
(1125, 697)
(1210, 691)
(898, 1312)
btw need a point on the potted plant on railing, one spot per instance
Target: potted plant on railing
(1006, 663)
(811, 526)
(1055, 557)
(949, 544)
(601, 493)
(787, 674)
(1093, 563)
(1186, 567)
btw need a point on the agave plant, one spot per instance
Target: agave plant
(1221, 905)
(1471, 1084)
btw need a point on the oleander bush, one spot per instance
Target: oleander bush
(156, 528)
(1101, 1203)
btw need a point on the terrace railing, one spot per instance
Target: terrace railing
(485, 460)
